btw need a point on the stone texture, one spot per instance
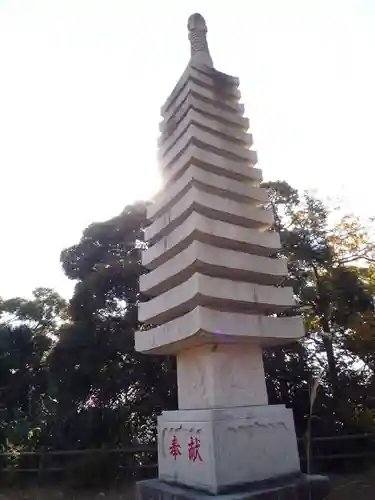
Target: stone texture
(237, 446)
(221, 376)
(228, 102)
(217, 293)
(209, 141)
(198, 227)
(245, 192)
(209, 123)
(209, 205)
(198, 42)
(212, 161)
(207, 326)
(192, 101)
(200, 257)
(301, 487)
(201, 75)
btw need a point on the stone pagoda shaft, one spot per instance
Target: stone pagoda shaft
(214, 288)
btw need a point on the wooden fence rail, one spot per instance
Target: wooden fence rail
(324, 449)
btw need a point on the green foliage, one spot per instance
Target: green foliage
(70, 377)
(108, 394)
(27, 332)
(334, 290)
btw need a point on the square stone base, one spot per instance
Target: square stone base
(216, 449)
(300, 488)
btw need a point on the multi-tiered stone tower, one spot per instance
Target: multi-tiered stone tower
(215, 286)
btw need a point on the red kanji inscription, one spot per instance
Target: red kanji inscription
(194, 445)
(175, 448)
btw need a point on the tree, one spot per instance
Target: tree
(27, 329)
(69, 374)
(108, 393)
(331, 293)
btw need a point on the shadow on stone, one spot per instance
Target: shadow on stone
(298, 488)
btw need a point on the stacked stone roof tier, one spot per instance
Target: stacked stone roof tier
(212, 256)
(217, 292)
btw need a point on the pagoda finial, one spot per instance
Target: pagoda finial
(197, 27)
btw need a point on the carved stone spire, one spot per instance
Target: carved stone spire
(200, 54)
(215, 291)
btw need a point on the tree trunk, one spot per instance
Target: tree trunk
(331, 360)
(323, 310)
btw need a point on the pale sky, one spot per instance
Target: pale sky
(82, 81)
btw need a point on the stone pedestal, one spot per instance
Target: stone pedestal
(216, 450)
(299, 487)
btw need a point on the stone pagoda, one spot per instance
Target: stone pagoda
(215, 288)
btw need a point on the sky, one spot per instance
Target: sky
(82, 83)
